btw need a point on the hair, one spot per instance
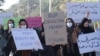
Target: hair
(83, 21)
(43, 27)
(71, 21)
(23, 20)
(12, 23)
(90, 21)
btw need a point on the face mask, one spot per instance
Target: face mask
(69, 25)
(24, 26)
(10, 25)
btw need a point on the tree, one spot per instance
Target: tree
(1, 2)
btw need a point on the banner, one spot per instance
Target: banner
(55, 28)
(26, 39)
(34, 22)
(16, 21)
(5, 15)
(78, 10)
(89, 42)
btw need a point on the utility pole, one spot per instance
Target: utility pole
(50, 5)
(28, 8)
(40, 7)
(18, 9)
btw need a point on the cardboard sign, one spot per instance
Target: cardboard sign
(34, 22)
(78, 10)
(89, 42)
(55, 28)
(26, 39)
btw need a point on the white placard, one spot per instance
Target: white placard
(78, 10)
(26, 39)
(4, 15)
(89, 42)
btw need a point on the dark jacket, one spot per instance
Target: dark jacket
(85, 30)
(10, 46)
(48, 50)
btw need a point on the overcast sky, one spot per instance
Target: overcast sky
(8, 4)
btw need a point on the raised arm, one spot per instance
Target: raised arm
(87, 14)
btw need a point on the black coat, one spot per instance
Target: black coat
(86, 30)
(10, 45)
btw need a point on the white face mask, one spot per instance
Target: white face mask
(69, 25)
(10, 25)
(24, 26)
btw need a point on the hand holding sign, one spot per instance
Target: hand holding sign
(89, 42)
(54, 27)
(26, 39)
(87, 14)
(78, 10)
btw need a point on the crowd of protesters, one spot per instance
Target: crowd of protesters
(71, 49)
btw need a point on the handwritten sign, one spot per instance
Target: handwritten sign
(55, 28)
(89, 42)
(77, 10)
(34, 22)
(26, 39)
(4, 15)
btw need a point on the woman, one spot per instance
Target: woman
(48, 50)
(10, 25)
(23, 25)
(85, 29)
(7, 49)
(71, 49)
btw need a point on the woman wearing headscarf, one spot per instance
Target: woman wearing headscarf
(23, 25)
(48, 49)
(85, 29)
(7, 34)
(11, 45)
(71, 49)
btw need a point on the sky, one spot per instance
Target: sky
(8, 4)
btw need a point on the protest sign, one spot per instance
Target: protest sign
(34, 22)
(89, 42)
(55, 28)
(26, 39)
(4, 15)
(78, 10)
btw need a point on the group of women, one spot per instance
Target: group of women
(70, 49)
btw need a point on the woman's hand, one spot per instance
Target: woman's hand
(87, 14)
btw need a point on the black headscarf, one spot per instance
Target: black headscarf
(12, 23)
(23, 20)
(85, 30)
(42, 38)
(69, 36)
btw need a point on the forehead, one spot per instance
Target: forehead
(87, 22)
(68, 20)
(10, 22)
(23, 22)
